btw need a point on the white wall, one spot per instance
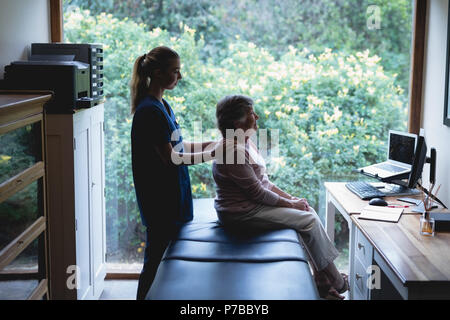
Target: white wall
(437, 135)
(22, 22)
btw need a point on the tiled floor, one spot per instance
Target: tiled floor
(119, 290)
(17, 289)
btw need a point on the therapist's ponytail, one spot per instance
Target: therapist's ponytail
(157, 58)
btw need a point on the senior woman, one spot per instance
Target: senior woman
(247, 199)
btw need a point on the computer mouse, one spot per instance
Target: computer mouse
(378, 202)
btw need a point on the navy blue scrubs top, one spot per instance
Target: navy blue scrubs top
(163, 191)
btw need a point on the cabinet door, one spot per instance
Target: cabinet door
(82, 205)
(98, 200)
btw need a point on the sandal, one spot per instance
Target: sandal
(346, 285)
(333, 294)
(326, 290)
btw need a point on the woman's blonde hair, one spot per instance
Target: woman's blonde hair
(157, 58)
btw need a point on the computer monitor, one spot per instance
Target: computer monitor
(401, 147)
(420, 157)
(403, 187)
(418, 161)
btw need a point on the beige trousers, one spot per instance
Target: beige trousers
(307, 224)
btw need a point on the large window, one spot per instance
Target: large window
(331, 77)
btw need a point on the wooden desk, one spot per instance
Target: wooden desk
(418, 267)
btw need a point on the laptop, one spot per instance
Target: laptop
(400, 155)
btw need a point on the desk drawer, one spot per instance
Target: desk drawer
(357, 295)
(360, 280)
(363, 249)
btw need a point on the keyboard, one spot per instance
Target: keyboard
(389, 167)
(364, 190)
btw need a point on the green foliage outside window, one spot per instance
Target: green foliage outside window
(332, 109)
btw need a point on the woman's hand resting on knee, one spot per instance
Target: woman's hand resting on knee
(295, 203)
(301, 204)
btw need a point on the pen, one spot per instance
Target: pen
(399, 206)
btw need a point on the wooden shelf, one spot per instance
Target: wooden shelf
(19, 109)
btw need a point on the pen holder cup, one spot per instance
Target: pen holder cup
(427, 225)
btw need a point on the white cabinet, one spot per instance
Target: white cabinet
(75, 155)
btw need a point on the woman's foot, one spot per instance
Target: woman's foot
(333, 294)
(338, 280)
(331, 283)
(325, 287)
(346, 285)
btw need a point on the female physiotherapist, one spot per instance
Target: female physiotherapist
(161, 180)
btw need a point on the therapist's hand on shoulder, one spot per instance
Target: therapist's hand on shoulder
(217, 148)
(212, 149)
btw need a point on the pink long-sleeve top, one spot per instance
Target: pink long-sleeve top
(243, 184)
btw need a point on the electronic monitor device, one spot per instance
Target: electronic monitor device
(401, 148)
(401, 187)
(420, 157)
